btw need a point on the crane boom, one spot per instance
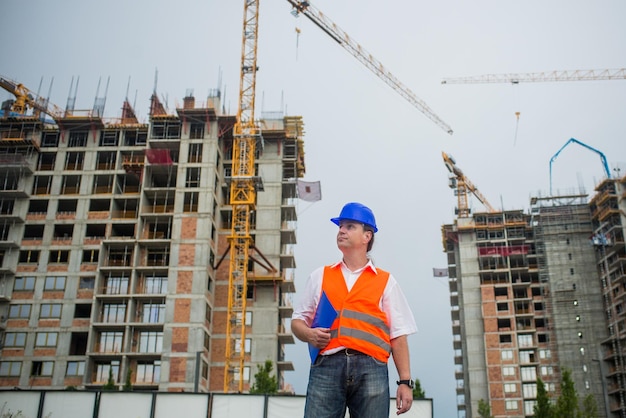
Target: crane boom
(516, 78)
(463, 185)
(26, 99)
(242, 199)
(343, 39)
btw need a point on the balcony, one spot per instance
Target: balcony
(287, 233)
(288, 211)
(287, 259)
(5, 291)
(10, 162)
(284, 336)
(285, 310)
(456, 327)
(18, 140)
(16, 189)
(285, 366)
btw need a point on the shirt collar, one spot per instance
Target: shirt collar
(369, 265)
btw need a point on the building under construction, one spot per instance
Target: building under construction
(114, 251)
(534, 294)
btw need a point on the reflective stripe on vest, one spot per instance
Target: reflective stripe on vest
(361, 324)
(355, 333)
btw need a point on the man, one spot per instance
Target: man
(370, 319)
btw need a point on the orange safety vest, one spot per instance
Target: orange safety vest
(361, 324)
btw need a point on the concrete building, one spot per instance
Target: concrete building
(114, 249)
(532, 296)
(608, 208)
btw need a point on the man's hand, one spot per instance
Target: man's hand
(319, 337)
(404, 399)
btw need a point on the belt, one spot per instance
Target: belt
(348, 352)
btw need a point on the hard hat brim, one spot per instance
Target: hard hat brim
(336, 221)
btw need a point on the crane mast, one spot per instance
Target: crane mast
(242, 199)
(463, 187)
(516, 78)
(243, 180)
(343, 39)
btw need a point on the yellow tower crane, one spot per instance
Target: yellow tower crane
(243, 181)
(463, 186)
(546, 76)
(242, 199)
(26, 99)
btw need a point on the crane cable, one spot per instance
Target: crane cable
(516, 127)
(517, 113)
(297, 41)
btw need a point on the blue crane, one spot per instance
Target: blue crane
(602, 158)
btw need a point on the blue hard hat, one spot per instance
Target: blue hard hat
(356, 212)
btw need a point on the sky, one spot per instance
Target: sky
(363, 141)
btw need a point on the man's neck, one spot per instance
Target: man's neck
(355, 261)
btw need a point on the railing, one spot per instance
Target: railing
(106, 348)
(118, 262)
(103, 189)
(158, 209)
(119, 214)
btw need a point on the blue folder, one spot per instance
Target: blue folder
(325, 315)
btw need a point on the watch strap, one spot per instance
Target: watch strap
(409, 383)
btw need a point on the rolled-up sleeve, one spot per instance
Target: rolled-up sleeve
(396, 306)
(308, 299)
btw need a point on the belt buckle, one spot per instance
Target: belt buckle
(348, 353)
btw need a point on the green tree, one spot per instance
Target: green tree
(110, 384)
(264, 381)
(543, 408)
(484, 410)
(567, 404)
(590, 407)
(418, 392)
(128, 386)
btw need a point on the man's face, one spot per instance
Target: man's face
(351, 234)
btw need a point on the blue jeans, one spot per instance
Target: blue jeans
(356, 381)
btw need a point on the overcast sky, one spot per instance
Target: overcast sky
(363, 141)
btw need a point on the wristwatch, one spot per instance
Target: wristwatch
(408, 382)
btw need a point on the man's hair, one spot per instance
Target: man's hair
(370, 244)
